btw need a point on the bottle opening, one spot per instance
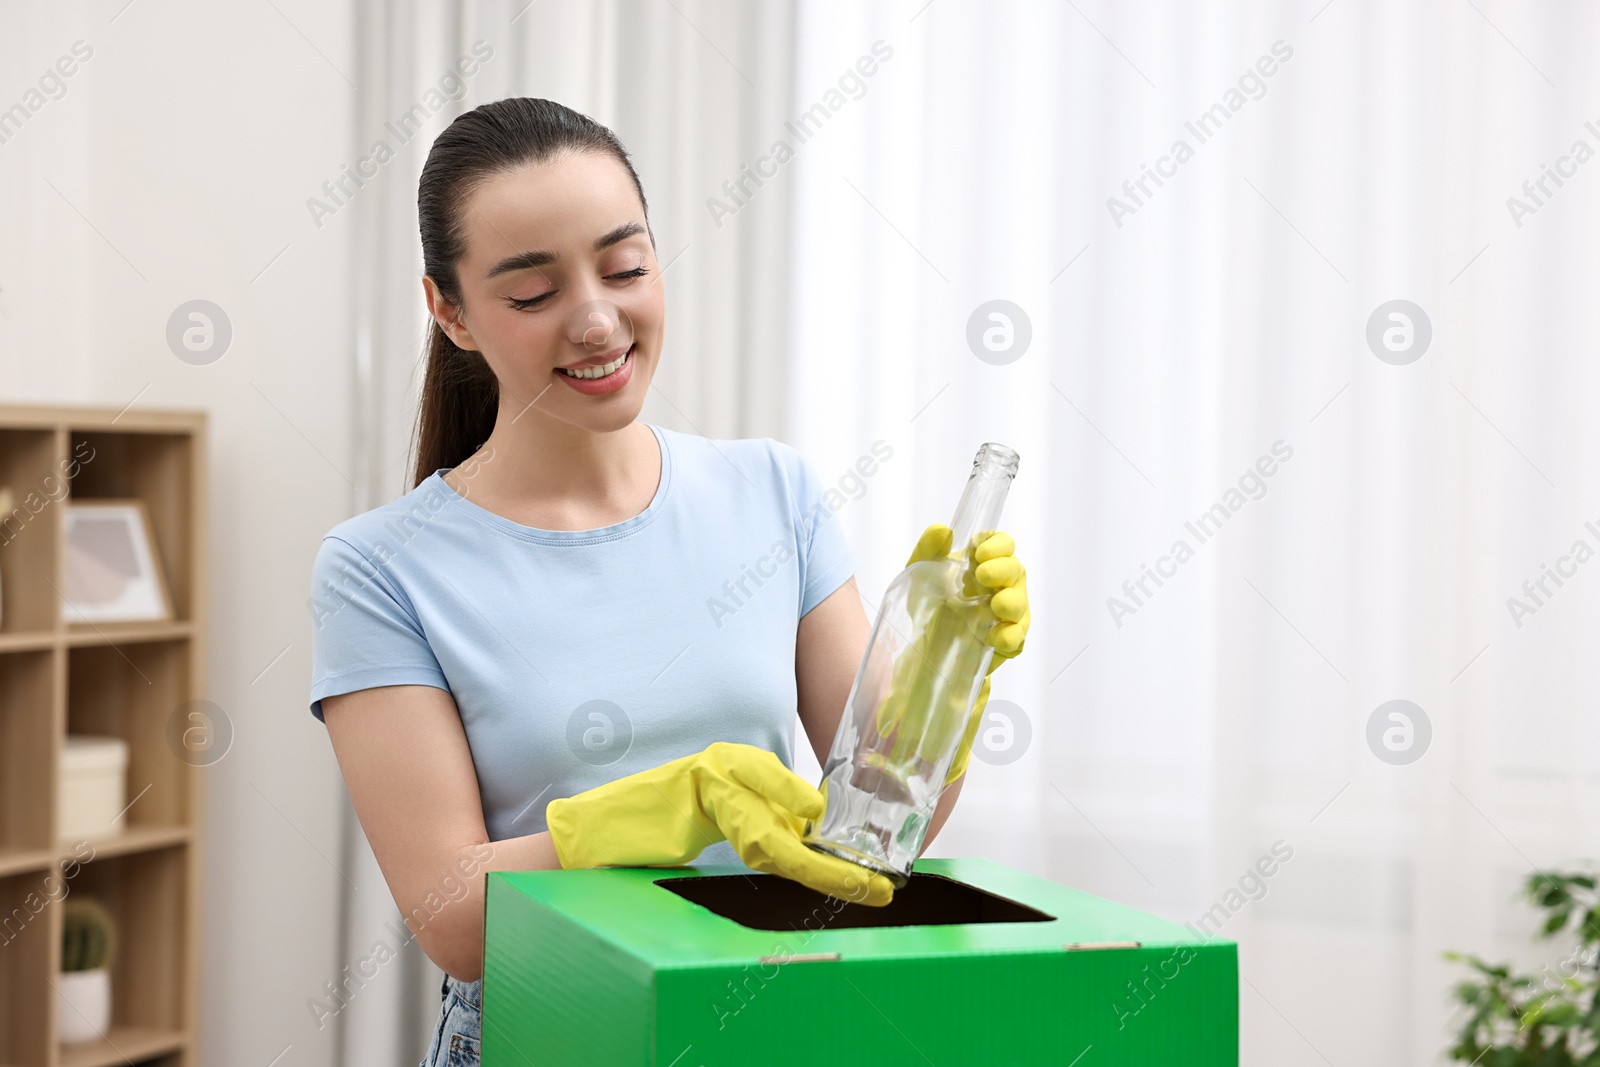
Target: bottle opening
(995, 458)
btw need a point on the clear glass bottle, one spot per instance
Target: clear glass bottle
(913, 692)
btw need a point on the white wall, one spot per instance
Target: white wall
(187, 145)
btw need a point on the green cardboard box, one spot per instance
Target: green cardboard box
(972, 964)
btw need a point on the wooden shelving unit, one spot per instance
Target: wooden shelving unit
(127, 680)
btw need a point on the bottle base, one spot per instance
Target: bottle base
(860, 859)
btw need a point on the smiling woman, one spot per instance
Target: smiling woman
(503, 259)
(553, 558)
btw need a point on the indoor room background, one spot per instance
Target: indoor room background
(1288, 309)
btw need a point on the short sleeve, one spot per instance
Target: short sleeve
(826, 559)
(364, 633)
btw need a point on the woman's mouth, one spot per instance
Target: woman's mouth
(607, 378)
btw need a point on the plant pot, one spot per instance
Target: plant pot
(83, 1005)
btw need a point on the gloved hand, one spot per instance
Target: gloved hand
(730, 792)
(998, 569)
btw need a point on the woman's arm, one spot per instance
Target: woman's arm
(831, 640)
(409, 771)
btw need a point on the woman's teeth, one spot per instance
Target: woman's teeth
(597, 372)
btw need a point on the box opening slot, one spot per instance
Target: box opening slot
(770, 902)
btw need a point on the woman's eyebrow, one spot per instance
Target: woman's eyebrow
(521, 261)
(619, 233)
(542, 258)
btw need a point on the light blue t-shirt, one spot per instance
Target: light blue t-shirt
(576, 657)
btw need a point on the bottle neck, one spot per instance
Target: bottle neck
(985, 495)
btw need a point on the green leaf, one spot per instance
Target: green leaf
(1561, 1014)
(1552, 895)
(1526, 1020)
(1556, 921)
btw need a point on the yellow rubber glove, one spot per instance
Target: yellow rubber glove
(998, 569)
(730, 792)
(993, 565)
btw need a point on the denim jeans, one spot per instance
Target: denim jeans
(456, 1036)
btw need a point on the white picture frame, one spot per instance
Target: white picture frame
(110, 568)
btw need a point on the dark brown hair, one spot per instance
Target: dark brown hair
(460, 394)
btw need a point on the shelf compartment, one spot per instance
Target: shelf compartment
(147, 895)
(27, 957)
(157, 468)
(32, 468)
(27, 750)
(131, 691)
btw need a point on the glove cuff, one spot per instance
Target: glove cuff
(651, 817)
(561, 829)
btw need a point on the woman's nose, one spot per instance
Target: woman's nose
(600, 325)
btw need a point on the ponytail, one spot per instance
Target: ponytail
(460, 397)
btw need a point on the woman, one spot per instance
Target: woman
(515, 661)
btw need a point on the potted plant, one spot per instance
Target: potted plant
(1549, 1019)
(88, 945)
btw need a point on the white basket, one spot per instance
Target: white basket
(93, 788)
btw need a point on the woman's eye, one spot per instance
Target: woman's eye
(528, 303)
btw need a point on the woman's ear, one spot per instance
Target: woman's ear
(448, 316)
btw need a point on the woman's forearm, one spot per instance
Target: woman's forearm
(407, 765)
(447, 916)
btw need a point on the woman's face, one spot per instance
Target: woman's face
(558, 271)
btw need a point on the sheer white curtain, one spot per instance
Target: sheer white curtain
(693, 88)
(1212, 320)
